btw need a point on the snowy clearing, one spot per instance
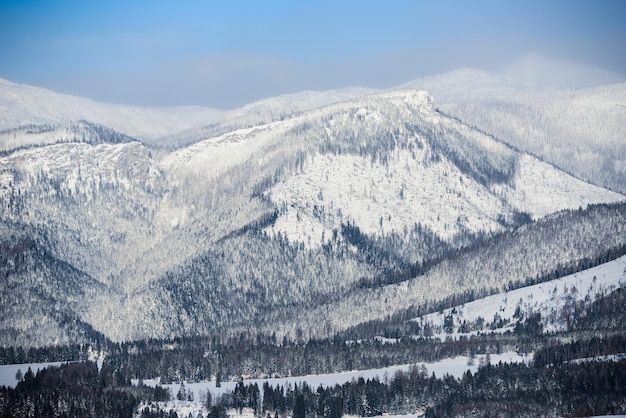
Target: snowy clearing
(456, 367)
(8, 371)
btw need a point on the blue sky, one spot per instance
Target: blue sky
(227, 53)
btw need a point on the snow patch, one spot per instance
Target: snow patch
(540, 189)
(8, 371)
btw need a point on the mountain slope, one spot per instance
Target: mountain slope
(38, 135)
(580, 130)
(42, 298)
(559, 302)
(552, 247)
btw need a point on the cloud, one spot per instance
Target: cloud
(229, 80)
(542, 69)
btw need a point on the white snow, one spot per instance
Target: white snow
(22, 105)
(549, 298)
(579, 130)
(381, 198)
(455, 367)
(214, 156)
(539, 189)
(609, 416)
(208, 188)
(8, 371)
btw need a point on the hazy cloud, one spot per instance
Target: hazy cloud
(233, 79)
(218, 80)
(560, 72)
(162, 53)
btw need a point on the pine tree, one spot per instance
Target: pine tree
(182, 393)
(299, 409)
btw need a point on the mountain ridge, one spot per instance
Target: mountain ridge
(212, 227)
(22, 105)
(579, 130)
(300, 210)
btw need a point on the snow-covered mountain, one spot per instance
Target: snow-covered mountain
(286, 204)
(582, 131)
(80, 131)
(430, 170)
(552, 247)
(36, 116)
(23, 105)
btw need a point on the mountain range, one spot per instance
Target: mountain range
(304, 215)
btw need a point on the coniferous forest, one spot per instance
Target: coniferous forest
(578, 370)
(555, 383)
(551, 386)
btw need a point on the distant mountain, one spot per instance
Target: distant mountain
(26, 112)
(284, 211)
(22, 105)
(582, 131)
(37, 135)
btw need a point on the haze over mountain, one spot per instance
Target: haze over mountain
(22, 106)
(561, 73)
(224, 56)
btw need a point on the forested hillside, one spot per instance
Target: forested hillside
(280, 224)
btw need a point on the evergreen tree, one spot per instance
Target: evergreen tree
(299, 409)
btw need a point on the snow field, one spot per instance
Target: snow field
(8, 371)
(548, 299)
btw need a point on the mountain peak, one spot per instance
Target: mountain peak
(417, 98)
